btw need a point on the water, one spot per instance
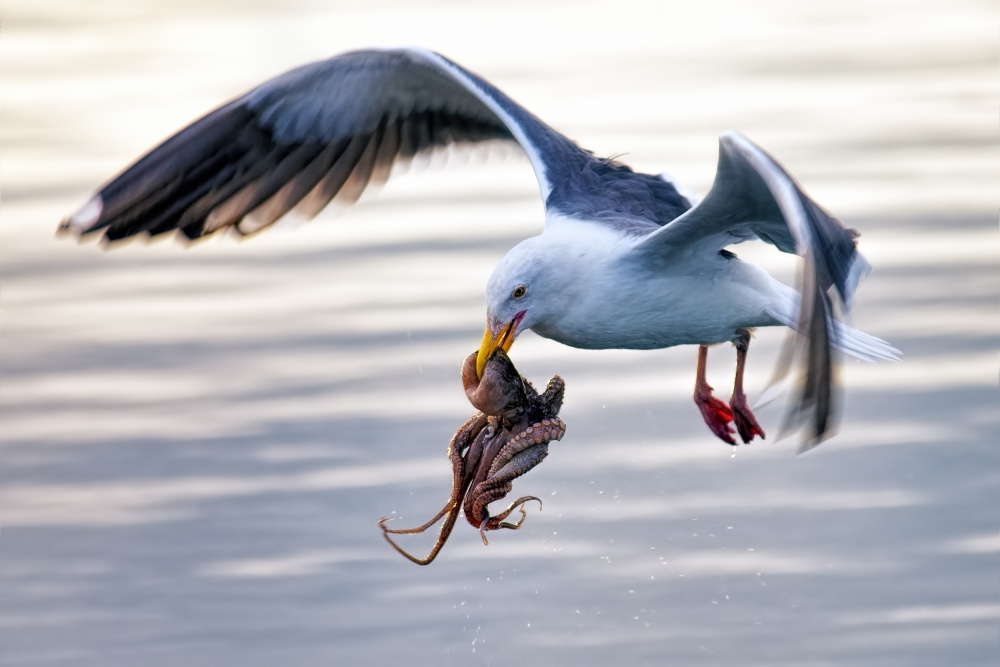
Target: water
(197, 444)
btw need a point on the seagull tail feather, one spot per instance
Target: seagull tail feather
(850, 341)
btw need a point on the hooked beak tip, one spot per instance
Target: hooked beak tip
(486, 350)
(502, 340)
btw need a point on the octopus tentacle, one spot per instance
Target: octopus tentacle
(508, 437)
(517, 456)
(451, 510)
(554, 392)
(539, 433)
(497, 522)
(477, 503)
(463, 441)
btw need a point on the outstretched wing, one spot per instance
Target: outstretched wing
(754, 197)
(322, 131)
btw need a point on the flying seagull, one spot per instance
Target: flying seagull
(625, 259)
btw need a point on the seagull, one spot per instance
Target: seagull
(625, 259)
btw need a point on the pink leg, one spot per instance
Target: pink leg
(716, 414)
(746, 422)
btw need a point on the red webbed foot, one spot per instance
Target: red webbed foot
(716, 414)
(746, 423)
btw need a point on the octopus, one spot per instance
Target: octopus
(509, 436)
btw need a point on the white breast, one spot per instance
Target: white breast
(610, 301)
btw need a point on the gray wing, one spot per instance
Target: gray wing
(754, 197)
(323, 131)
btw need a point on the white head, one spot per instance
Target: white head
(526, 289)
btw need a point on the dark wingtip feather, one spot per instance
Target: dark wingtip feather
(290, 144)
(815, 405)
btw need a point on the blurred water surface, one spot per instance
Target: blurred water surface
(197, 443)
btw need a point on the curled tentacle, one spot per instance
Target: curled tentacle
(554, 392)
(538, 434)
(477, 503)
(517, 457)
(509, 437)
(497, 522)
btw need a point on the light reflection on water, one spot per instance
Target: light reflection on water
(197, 443)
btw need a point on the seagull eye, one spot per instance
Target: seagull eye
(519, 292)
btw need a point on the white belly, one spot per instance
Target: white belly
(700, 304)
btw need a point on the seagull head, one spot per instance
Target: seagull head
(521, 294)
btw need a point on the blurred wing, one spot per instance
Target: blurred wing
(323, 131)
(754, 197)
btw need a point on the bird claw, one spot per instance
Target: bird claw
(717, 415)
(746, 423)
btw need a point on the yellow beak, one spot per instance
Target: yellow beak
(491, 343)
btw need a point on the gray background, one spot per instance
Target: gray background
(197, 444)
